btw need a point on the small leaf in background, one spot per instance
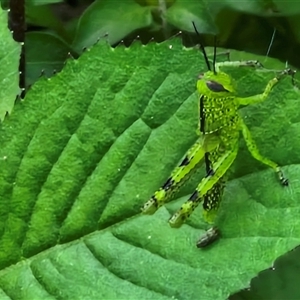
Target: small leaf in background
(44, 52)
(106, 18)
(265, 7)
(90, 145)
(10, 51)
(44, 16)
(182, 12)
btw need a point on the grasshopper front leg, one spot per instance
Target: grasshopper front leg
(253, 149)
(245, 63)
(251, 145)
(263, 96)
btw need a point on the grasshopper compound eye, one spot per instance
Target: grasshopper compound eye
(215, 86)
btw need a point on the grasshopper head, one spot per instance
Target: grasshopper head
(215, 84)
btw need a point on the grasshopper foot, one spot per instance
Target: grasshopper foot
(210, 236)
(284, 181)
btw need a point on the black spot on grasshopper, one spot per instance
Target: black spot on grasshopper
(194, 197)
(215, 86)
(208, 166)
(210, 173)
(185, 162)
(202, 115)
(168, 184)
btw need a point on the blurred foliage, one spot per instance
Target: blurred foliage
(70, 26)
(279, 282)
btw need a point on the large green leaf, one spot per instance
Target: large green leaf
(9, 73)
(89, 146)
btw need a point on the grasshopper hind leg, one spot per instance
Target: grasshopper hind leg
(212, 200)
(209, 191)
(179, 175)
(207, 188)
(211, 203)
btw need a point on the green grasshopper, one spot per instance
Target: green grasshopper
(220, 125)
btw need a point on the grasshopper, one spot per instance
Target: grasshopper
(220, 125)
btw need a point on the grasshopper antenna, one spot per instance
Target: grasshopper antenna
(271, 43)
(202, 48)
(215, 55)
